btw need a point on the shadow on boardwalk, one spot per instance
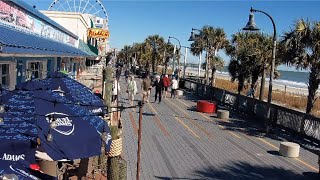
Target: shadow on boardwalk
(246, 171)
(254, 127)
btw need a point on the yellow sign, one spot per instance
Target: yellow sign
(98, 33)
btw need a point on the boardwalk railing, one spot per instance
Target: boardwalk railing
(296, 121)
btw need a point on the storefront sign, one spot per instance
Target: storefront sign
(102, 47)
(18, 18)
(98, 33)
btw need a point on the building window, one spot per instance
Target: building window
(4, 73)
(35, 70)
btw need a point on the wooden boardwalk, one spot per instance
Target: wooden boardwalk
(180, 143)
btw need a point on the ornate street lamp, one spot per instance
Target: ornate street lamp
(194, 37)
(251, 26)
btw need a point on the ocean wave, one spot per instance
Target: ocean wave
(280, 82)
(290, 83)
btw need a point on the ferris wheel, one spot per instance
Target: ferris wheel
(93, 7)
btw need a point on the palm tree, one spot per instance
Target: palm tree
(215, 63)
(213, 40)
(238, 70)
(154, 46)
(124, 54)
(137, 50)
(257, 48)
(301, 48)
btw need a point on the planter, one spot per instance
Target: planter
(115, 148)
(117, 169)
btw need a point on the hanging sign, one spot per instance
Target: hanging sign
(98, 33)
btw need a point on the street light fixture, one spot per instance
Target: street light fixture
(251, 26)
(194, 37)
(174, 54)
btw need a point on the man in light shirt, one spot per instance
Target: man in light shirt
(174, 86)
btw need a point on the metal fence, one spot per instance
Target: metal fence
(296, 121)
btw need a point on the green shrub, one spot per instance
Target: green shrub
(114, 132)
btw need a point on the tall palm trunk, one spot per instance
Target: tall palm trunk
(263, 81)
(153, 61)
(312, 89)
(213, 76)
(214, 69)
(240, 88)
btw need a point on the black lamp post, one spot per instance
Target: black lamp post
(194, 37)
(251, 26)
(174, 54)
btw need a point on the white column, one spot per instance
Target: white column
(185, 62)
(174, 57)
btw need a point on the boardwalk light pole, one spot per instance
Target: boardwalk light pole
(140, 104)
(185, 61)
(174, 55)
(251, 26)
(194, 37)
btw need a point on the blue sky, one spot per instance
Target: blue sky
(132, 21)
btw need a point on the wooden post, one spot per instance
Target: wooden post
(139, 139)
(103, 81)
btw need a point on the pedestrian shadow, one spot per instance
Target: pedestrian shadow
(148, 114)
(169, 178)
(311, 175)
(248, 171)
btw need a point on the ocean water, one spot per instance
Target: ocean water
(287, 78)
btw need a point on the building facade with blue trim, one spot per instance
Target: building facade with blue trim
(32, 45)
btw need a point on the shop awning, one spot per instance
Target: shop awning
(84, 47)
(14, 42)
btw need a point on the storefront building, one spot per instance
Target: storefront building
(92, 32)
(31, 44)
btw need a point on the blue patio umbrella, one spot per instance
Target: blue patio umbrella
(10, 169)
(76, 133)
(18, 132)
(75, 92)
(72, 136)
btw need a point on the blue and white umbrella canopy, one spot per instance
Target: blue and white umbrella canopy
(73, 131)
(9, 169)
(18, 132)
(74, 91)
(74, 135)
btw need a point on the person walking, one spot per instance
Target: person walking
(146, 88)
(166, 84)
(174, 87)
(118, 73)
(131, 89)
(115, 90)
(126, 73)
(158, 84)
